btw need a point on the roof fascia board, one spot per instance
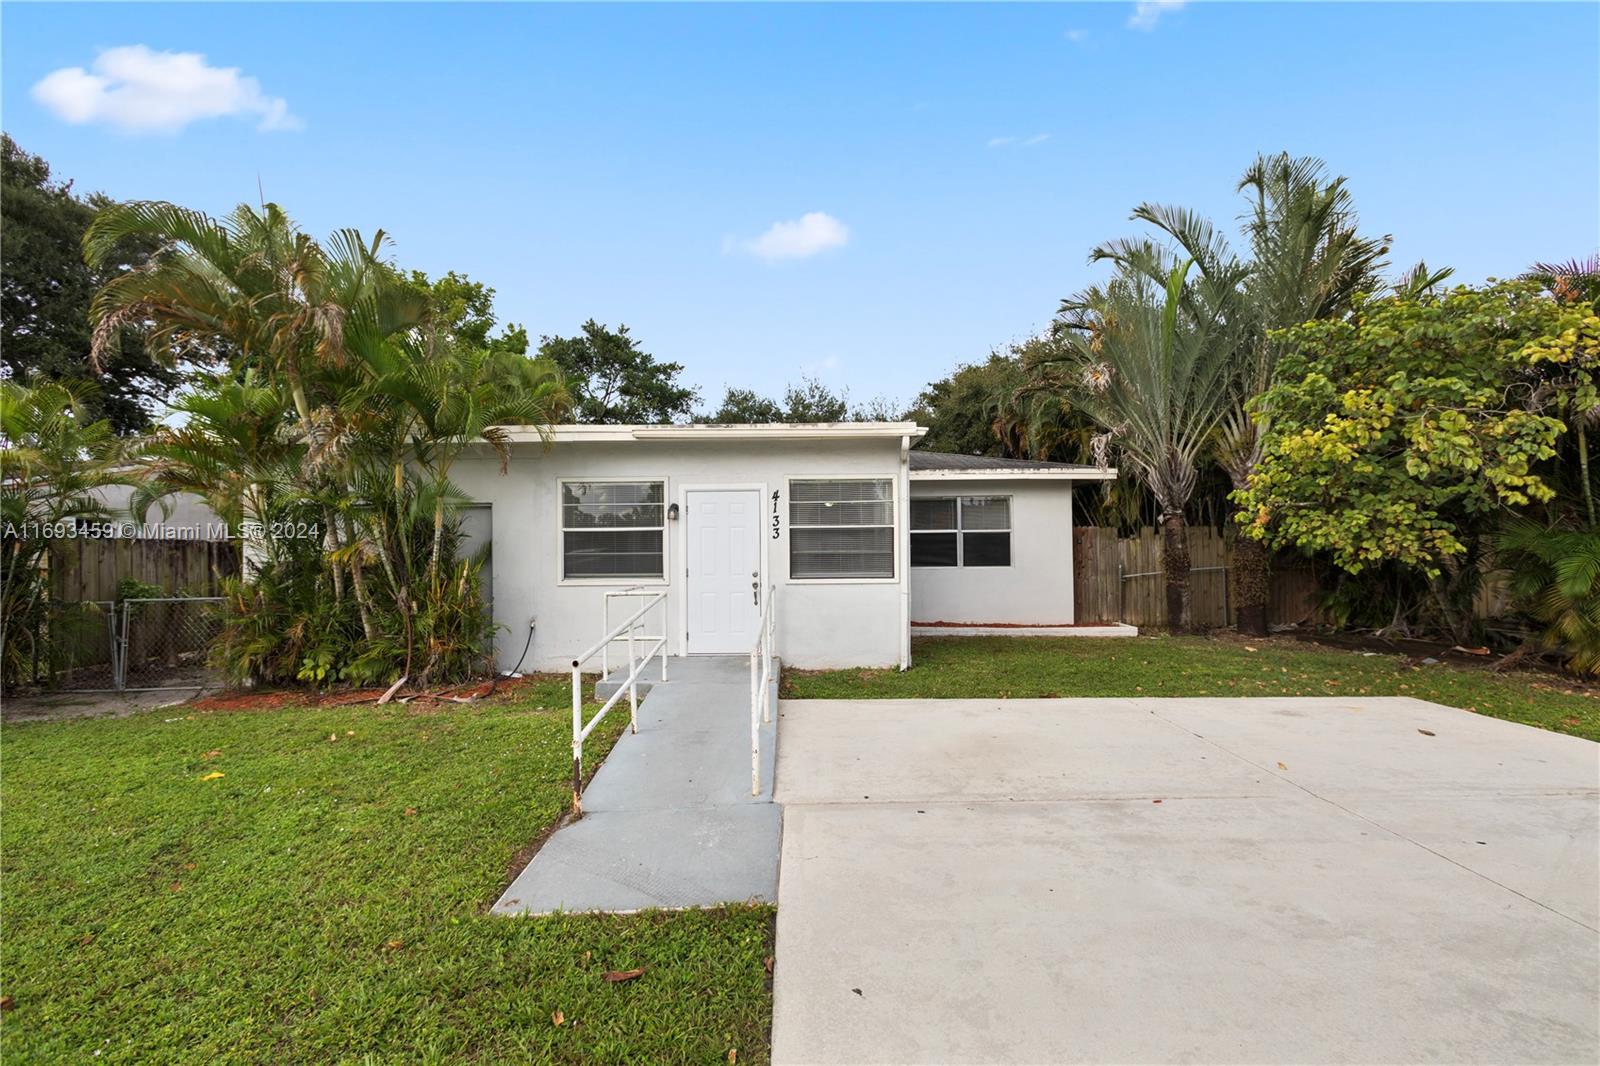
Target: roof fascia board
(1014, 473)
(623, 434)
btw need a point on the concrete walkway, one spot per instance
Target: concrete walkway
(668, 820)
(1184, 880)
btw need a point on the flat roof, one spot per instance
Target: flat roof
(564, 434)
(954, 466)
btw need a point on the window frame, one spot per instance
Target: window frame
(896, 522)
(960, 531)
(614, 581)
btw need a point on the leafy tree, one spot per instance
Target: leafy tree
(877, 409)
(745, 407)
(1307, 260)
(812, 401)
(1150, 365)
(45, 289)
(809, 401)
(1406, 431)
(613, 380)
(962, 410)
(464, 309)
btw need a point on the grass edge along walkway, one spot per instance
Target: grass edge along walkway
(1019, 667)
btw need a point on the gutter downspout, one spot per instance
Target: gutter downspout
(903, 534)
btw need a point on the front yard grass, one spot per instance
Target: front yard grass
(323, 898)
(978, 667)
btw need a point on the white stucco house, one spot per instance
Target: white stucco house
(860, 538)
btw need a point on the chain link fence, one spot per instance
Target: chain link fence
(143, 644)
(163, 641)
(77, 649)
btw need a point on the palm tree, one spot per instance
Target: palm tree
(54, 463)
(1577, 281)
(1149, 364)
(1307, 260)
(259, 290)
(231, 448)
(348, 392)
(429, 399)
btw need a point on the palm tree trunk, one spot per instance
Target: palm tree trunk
(1583, 471)
(1249, 577)
(358, 579)
(1175, 561)
(330, 544)
(438, 538)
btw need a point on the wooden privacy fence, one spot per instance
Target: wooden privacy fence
(78, 644)
(1119, 579)
(88, 569)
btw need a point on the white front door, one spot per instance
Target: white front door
(722, 538)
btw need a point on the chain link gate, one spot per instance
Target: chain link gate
(146, 644)
(77, 650)
(163, 641)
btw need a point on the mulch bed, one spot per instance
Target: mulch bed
(271, 699)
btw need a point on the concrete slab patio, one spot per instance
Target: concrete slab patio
(1168, 880)
(668, 820)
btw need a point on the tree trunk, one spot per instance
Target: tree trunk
(1457, 622)
(358, 579)
(1583, 471)
(1175, 561)
(330, 545)
(1250, 585)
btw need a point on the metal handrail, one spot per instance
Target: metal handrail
(760, 680)
(605, 613)
(627, 629)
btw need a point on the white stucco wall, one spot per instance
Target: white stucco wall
(187, 517)
(819, 624)
(1035, 589)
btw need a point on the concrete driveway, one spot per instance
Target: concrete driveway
(1184, 880)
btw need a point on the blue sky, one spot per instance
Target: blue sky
(630, 163)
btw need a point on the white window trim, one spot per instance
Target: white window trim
(614, 582)
(961, 532)
(898, 517)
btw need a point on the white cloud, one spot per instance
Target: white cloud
(1146, 13)
(1025, 142)
(137, 90)
(1076, 36)
(812, 232)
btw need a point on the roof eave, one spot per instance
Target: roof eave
(1013, 473)
(770, 431)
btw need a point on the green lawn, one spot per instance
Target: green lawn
(325, 898)
(1200, 666)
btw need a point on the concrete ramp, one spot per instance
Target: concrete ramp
(668, 820)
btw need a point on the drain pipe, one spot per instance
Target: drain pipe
(903, 535)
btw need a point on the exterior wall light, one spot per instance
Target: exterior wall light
(672, 512)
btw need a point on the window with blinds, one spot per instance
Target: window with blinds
(841, 529)
(613, 529)
(961, 531)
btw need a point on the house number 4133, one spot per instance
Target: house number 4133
(775, 520)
